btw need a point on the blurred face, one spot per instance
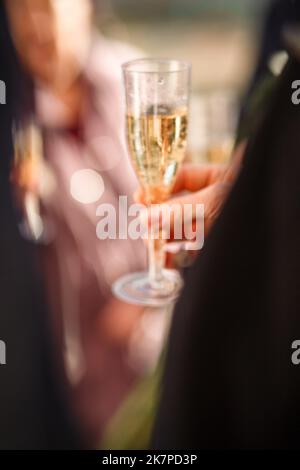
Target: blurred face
(51, 36)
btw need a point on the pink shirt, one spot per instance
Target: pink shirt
(79, 267)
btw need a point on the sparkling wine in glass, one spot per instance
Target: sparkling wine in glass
(157, 98)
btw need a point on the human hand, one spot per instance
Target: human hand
(196, 184)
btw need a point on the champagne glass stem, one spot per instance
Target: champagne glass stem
(156, 261)
(157, 101)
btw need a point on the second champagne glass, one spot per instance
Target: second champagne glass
(157, 98)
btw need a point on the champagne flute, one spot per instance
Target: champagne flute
(157, 99)
(26, 175)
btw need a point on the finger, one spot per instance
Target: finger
(182, 215)
(191, 177)
(211, 199)
(194, 177)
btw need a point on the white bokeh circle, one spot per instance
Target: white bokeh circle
(86, 186)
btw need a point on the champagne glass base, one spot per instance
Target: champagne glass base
(137, 289)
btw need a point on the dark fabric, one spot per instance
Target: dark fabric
(229, 380)
(33, 414)
(280, 14)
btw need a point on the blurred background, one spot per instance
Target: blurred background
(219, 37)
(65, 96)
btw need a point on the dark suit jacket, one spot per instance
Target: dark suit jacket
(33, 412)
(229, 380)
